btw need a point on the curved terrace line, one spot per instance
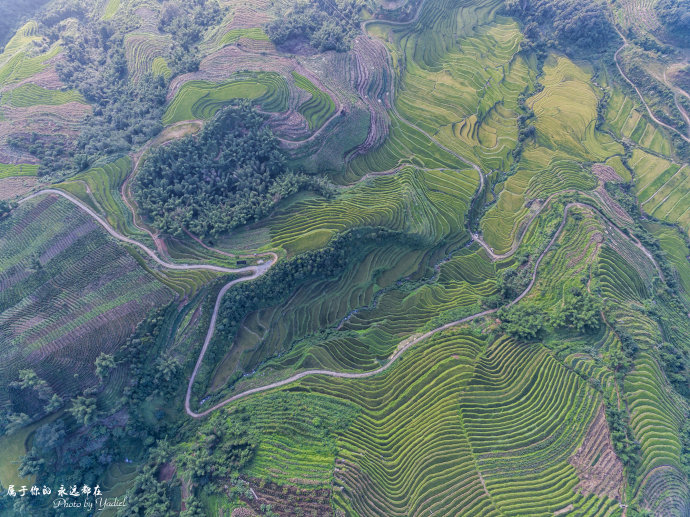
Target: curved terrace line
(256, 271)
(403, 346)
(168, 265)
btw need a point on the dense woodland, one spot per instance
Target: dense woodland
(232, 173)
(325, 24)
(185, 22)
(674, 16)
(576, 25)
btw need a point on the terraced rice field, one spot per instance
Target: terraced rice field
(676, 250)
(159, 66)
(234, 35)
(99, 187)
(468, 419)
(629, 120)
(110, 9)
(144, 53)
(68, 296)
(468, 405)
(639, 14)
(565, 136)
(469, 98)
(31, 95)
(662, 187)
(319, 108)
(18, 62)
(21, 169)
(430, 203)
(201, 99)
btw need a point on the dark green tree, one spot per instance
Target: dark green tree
(83, 410)
(523, 321)
(580, 310)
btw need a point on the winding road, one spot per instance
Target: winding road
(253, 272)
(639, 94)
(403, 346)
(258, 270)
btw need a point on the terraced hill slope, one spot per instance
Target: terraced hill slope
(469, 295)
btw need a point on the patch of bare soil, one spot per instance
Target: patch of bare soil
(298, 46)
(243, 512)
(599, 469)
(16, 186)
(605, 172)
(289, 500)
(613, 205)
(166, 472)
(566, 509)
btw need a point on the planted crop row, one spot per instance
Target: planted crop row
(142, 51)
(431, 204)
(20, 66)
(31, 95)
(201, 99)
(68, 294)
(663, 187)
(284, 330)
(319, 107)
(437, 432)
(19, 169)
(234, 35)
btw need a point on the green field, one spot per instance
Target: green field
(110, 9)
(32, 95)
(201, 99)
(318, 109)
(234, 35)
(21, 169)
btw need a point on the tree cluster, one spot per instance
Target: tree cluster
(523, 321)
(674, 16)
(676, 366)
(570, 24)
(186, 22)
(147, 495)
(282, 279)
(622, 438)
(5, 208)
(230, 174)
(512, 282)
(54, 152)
(685, 447)
(125, 113)
(579, 310)
(326, 24)
(221, 447)
(285, 276)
